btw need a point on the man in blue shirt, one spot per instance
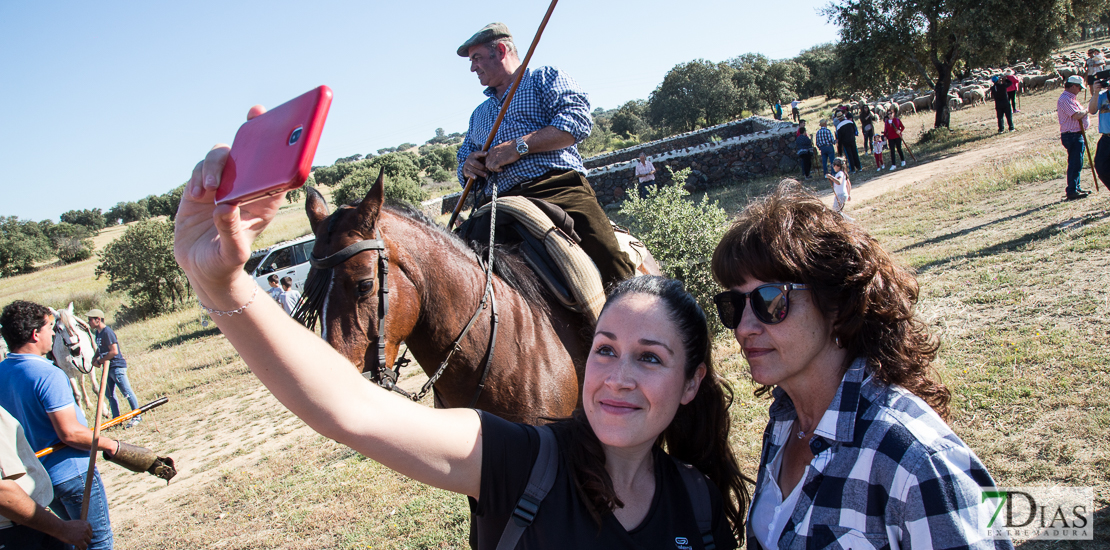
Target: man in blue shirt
(1100, 103)
(37, 394)
(534, 153)
(109, 351)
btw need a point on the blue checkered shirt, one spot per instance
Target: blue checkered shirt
(887, 473)
(546, 97)
(824, 137)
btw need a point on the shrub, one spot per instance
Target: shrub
(439, 175)
(71, 242)
(681, 235)
(22, 243)
(92, 219)
(141, 264)
(354, 187)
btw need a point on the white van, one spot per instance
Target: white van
(289, 258)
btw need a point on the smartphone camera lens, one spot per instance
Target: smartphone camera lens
(296, 135)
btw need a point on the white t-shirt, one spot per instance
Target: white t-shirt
(289, 300)
(18, 463)
(794, 104)
(1095, 64)
(644, 171)
(840, 187)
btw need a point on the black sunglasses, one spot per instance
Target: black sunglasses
(770, 303)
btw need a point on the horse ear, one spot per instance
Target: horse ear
(372, 204)
(316, 207)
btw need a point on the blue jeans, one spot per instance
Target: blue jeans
(67, 504)
(118, 377)
(1074, 144)
(827, 156)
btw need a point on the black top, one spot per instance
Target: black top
(508, 452)
(803, 144)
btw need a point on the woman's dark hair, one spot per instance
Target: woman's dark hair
(698, 434)
(19, 320)
(791, 236)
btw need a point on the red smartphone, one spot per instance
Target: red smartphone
(272, 153)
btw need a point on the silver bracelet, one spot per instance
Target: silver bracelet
(211, 311)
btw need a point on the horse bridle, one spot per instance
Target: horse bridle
(382, 374)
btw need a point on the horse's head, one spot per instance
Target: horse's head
(343, 291)
(72, 339)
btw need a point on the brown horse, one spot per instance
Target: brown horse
(435, 285)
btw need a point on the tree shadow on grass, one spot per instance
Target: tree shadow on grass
(1012, 244)
(185, 337)
(969, 230)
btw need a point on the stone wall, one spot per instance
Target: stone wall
(766, 147)
(736, 151)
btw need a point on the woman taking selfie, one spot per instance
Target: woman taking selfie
(857, 451)
(649, 379)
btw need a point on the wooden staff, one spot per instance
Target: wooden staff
(504, 109)
(1090, 159)
(113, 422)
(92, 448)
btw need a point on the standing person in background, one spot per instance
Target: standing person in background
(846, 133)
(1001, 103)
(1094, 64)
(804, 146)
(892, 129)
(867, 124)
(1100, 103)
(795, 110)
(289, 295)
(275, 287)
(777, 110)
(1073, 123)
(825, 141)
(877, 145)
(1012, 85)
(25, 492)
(645, 171)
(109, 351)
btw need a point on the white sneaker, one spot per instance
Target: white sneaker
(903, 163)
(891, 167)
(879, 169)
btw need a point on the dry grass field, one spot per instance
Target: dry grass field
(1015, 281)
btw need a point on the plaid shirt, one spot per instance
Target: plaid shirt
(1066, 107)
(887, 473)
(546, 97)
(824, 137)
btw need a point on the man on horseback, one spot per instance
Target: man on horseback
(534, 153)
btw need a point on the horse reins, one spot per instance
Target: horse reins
(382, 374)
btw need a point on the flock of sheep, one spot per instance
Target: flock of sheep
(974, 89)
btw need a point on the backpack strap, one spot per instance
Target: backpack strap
(540, 481)
(699, 500)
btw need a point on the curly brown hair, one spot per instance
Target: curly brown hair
(791, 236)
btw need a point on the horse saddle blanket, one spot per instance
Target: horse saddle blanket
(550, 247)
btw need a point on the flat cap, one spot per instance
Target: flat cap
(489, 33)
(95, 313)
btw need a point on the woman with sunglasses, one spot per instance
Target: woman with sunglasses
(649, 380)
(857, 451)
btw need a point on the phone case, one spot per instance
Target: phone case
(272, 153)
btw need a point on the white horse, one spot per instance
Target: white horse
(74, 351)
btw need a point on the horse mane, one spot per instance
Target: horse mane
(508, 264)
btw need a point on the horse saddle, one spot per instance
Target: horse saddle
(549, 245)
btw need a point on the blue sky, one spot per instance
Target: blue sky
(105, 102)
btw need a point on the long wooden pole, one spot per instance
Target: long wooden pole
(108, 424)
(93, 447)
(504, 109)
(1090, 159)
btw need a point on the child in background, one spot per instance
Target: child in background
(877, 146)
(841, 185)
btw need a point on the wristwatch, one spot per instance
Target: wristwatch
(521, 146)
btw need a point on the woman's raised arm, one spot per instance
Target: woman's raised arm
(211, 243)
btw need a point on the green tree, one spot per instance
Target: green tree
(93, 219)
(126, 212)
(399, 188)
(22, 243)
(884, 43)
(823, 63)
(694, 94)
(140, 262)
(71, 242)
(631, 119)
(762, 82)
(681, 235)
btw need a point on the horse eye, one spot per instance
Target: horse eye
(365, 286)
